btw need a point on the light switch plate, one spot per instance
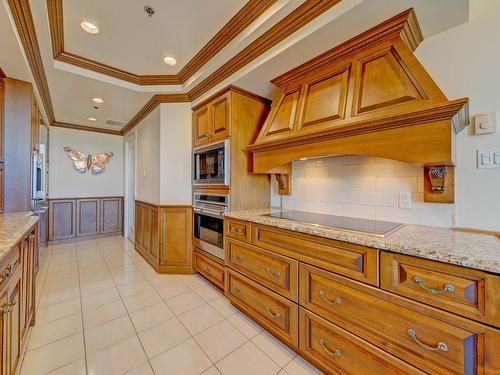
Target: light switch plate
(485, 123)
(405, 200)
(487, 159)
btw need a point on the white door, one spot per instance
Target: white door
(130, 187)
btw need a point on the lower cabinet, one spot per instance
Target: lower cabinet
(163, 236)
(17, 300)
(209, 267)
(80, 217)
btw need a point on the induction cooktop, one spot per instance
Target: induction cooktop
(366, 226)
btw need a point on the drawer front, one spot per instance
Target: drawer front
(460, 290)
(9, 265)
(239, 230)
(338, 351)
(357, 262)
(210, 269)
(274, 271)
(432, 340)
(275, 313)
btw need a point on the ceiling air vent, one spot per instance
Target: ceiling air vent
(115, 123)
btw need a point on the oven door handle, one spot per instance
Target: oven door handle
(212, 213)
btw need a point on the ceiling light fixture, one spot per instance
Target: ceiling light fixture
(91, 119)
(98, 100)
(89, 27)
(169, 60)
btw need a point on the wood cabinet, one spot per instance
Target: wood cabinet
(17, 300)
(211, 122)
(163, 236)
(2, 165)
(210, 267)
(80, 217)
(426, 316)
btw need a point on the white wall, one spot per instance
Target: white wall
(464, 62)
(175, 154)
(65, 182)
(148, 159)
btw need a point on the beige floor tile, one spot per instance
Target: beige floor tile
(74, 368)
(143, 369)
(53, 356)
(141, 300)
(159, 280)
(100, 298)
(275, 349)
(299, 366)
(200, 319)
(117, 358)
(134, 288)
(97, 286)
(184, 359)
(92, 276)
(151, 316)
(51, 286)
(246, 325)
(57, 311)
(46, 333)
(211, 371)
(247, 360)
(223, 306)
(51, 298)
(162, 337)
(103, 314)
(220, 340)
(172, 289)
(194, 281)
(209, 293)
(108, 333)
(185, 302)
(127, 277)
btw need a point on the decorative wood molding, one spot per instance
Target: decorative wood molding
(233, 88)
(245, 16)
(66, 125)
(301, 16)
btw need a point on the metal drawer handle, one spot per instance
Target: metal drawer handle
(7, 309)
(273, 274)
(239, 257)
(273, 314)
(335, 353)
(237, 230)
(440, 346)
(207, 269)
(337, 301)
(448, 288)
(7, 272)
(236, 290)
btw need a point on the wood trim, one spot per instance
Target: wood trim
(246, 15)
(66, 125)
(23, 19)
(232, 88)
(301, 16)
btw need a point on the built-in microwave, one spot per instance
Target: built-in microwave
(211, 164)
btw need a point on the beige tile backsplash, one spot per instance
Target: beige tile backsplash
(360, 186)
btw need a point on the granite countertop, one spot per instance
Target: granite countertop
(13, 226)
(473, 250)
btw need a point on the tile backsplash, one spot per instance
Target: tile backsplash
(365, 187)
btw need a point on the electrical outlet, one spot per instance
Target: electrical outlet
(405, 200)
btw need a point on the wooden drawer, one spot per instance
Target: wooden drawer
(237, 229)
(272, 270)
(9, 265)
(209, 268)
(337, 351)
(275, 313)
(432, 340)
(355, 261)
(471, 293)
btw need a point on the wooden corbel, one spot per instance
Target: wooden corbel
(284, 183)
(439, 184)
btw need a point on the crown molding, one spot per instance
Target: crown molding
(23, 19)
(66, 125)
(245, 16)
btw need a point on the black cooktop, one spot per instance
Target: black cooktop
(373, 227)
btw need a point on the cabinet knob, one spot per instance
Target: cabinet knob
(7, 272)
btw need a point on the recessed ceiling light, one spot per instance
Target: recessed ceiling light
(91, 119)
(89, 27)
(98, 100)
(169, 60)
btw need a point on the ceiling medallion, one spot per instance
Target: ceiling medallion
(149, 11)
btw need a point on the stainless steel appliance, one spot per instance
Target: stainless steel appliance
(38, 186)
(211, 164)
(209, 222)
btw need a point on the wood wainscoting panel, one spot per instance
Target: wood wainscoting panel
(87, 217)
(62, 219)
(111, 215)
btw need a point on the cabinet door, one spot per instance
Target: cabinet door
(4, 347)
(111, 215)
(11, 324)
(87, 217)
(25, 263)
(62, 219)
(2, 96)
(220, 118)
(201, 126)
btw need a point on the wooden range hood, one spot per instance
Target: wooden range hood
(368, 96)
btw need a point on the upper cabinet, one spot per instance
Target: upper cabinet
(2, 96)
(211, 121)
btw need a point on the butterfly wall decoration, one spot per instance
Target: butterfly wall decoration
(83, 162)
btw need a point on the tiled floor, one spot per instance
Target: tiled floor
(102, 310)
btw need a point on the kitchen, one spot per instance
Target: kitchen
(317, 187)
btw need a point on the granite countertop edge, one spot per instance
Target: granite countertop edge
(472, 250)
(13, 227)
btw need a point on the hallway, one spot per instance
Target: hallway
(101, 309)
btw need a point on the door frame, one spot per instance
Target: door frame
(130, 184)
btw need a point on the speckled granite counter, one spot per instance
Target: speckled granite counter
(13, 226)
(479, 251)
